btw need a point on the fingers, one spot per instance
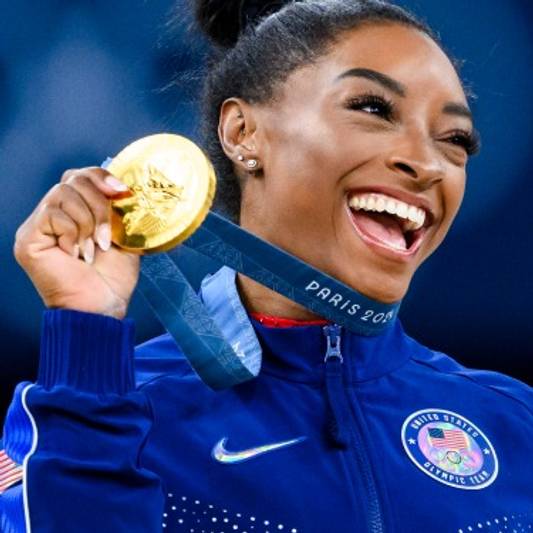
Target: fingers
(105, 182)
(99, 209)
(76, 212)
(64, 225)
(46, 228)
(94, 186)
(57, 223)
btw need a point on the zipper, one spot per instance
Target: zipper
(338, 402)
(345, 426)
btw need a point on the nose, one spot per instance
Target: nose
(417, 160)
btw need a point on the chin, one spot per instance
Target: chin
(383, 287)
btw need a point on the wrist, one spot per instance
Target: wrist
(116, 309)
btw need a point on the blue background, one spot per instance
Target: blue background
(81, 79)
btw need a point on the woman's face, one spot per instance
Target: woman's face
(358, 151)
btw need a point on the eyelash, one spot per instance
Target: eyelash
(385, 109)
(469, 140)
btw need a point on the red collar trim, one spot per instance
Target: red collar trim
(279, 322)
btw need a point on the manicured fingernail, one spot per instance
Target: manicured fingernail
(103, 236)
(76, 251)
(115, 184)
(88, 251)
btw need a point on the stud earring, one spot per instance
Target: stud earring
(240, 157)
(251, 163)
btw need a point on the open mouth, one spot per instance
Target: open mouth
(388, 223)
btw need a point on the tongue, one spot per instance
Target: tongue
(381, 227)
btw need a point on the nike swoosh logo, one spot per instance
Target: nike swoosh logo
(222, 455)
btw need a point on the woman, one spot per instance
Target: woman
(340, 132)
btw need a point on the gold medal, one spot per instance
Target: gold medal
(172, 184)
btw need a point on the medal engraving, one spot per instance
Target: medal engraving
(154, 200)
(172, 185)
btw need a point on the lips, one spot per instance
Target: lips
(392, 223)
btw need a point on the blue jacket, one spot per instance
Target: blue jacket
(339, 433)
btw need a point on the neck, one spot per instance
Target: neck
(259, 299)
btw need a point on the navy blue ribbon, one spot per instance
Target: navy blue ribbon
(184, 316)
(231, 245)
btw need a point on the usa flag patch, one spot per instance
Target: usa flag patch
(10, 472)
(449, 448)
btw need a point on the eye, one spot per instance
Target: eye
(469, 140)
(373, 105)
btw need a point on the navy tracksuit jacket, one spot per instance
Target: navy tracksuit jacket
(339, 433)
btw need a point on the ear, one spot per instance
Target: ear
(237, 134)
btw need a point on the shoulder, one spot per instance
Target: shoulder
(166, 378)
(160, 357)
(492, 385)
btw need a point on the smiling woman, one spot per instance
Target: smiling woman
(358, 132)
(341, 132)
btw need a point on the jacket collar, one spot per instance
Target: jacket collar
(297, 353)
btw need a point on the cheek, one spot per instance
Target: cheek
(452, 198)
(453, 195)
(301, 173)
(306, 155)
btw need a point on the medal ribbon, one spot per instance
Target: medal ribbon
(181, 312)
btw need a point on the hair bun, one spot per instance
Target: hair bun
(223, 21)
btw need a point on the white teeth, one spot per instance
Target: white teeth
(413, 216)
(402, 210)
(391, 207)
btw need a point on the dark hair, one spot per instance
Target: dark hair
(257, 46)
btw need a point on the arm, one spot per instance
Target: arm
(79, 432)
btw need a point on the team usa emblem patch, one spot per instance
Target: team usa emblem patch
(449, 448)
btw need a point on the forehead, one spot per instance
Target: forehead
(403, 53)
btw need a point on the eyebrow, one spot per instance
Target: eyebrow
(450, 108)
(460, 110)
(378, 77)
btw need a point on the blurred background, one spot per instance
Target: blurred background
(81, 79)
